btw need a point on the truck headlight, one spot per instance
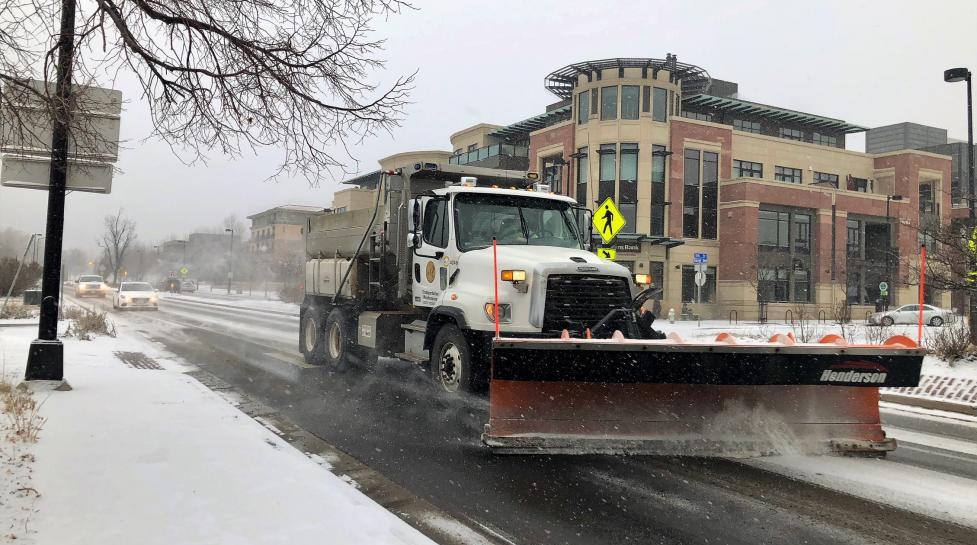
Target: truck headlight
(513, 275)
(505, 312)
(642, 279)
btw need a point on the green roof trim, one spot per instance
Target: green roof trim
(736, 105)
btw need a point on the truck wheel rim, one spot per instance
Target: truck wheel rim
(309, 335)
(335, 342)
(449, 370)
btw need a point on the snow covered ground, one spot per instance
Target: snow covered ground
(140, 455)
(856, 332)
(256, 302)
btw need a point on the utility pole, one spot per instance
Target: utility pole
(45, 360)
(230, 260)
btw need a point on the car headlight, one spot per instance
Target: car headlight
(505, 312)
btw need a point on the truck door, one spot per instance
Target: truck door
(430, 268)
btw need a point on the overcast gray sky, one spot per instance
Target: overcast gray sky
(871, 63)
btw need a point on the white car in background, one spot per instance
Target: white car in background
(909, 314)
(91, 285)
(136, 295)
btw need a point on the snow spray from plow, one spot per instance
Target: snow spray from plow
(678, 397)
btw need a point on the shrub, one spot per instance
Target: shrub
(15, 310)
(21, 409)
(86, 323)
(30, 273)
(952, 342)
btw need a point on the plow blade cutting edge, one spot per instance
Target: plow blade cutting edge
(719, 398)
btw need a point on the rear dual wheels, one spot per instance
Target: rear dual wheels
(327, 338)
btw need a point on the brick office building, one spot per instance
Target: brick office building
(785, 213)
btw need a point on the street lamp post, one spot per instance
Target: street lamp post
(230, 260)
(954, 75)
(888, 246)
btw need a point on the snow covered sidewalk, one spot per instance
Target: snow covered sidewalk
(139, 452)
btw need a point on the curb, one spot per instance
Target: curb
(930, 403)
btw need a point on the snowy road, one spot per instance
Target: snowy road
(393, 421)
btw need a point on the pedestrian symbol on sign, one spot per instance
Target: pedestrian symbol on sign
(608, 220)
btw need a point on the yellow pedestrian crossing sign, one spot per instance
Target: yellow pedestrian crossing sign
(608, 220)
(607, 253)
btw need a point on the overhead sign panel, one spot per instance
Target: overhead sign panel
(25, 137)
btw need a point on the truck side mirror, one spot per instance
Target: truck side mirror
(415, 240)
(416, 216)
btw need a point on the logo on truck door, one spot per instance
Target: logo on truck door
(429, 272)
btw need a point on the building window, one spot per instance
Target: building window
(660, 105)
(791, 134)
(690, 195)
(689, 288)
(746, 126)
(825, 140)
(773, 230)
(697, 115)
(472, 147)
(710, 193)
(926, 203)
(867, 249)
(657, 192)
(784, 256)
(628, 188)
(594, 96)
(553, 173)
(458, 151)
(629, 101)
(859, 184)
(608, 172)
(854, 245)
(608, 103)
(583, 175)
(787, 174)
(747, 169)
(824, 178)
(657, 271)
(583, 107)
(646, 99)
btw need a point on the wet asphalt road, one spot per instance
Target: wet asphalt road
(394, 421)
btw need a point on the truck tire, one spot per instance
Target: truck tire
(310, 336)
(451, 360)
(337, 342)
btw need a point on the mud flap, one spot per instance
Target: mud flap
(692, 398)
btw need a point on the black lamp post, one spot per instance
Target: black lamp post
(954, 75)
(888, 246)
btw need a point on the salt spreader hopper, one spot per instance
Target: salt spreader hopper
(671, 396)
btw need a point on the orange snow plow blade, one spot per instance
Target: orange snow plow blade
(674, 397)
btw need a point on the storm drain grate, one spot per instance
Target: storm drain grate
(138, 360)
(953, 389)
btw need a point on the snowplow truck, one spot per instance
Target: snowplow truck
(488, 281)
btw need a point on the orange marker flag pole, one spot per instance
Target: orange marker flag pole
(922, 289)
(495, 280)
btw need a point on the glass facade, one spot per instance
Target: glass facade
(583, 175)
(784, 249)
(660, 105)
(608, 172)
(583, 107)
(657, 191)
(690, 195)
(710, 194)
(629, 101)
(608, 103)
(746, 126)
(627, 198)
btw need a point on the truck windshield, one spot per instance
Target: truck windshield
(513, 219)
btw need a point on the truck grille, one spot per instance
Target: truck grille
(581, 300)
